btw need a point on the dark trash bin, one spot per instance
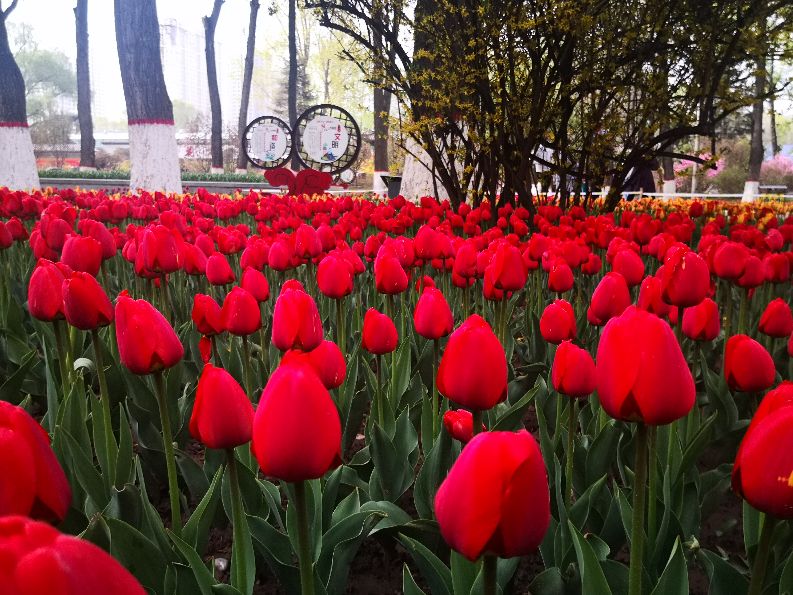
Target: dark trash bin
(394, 184)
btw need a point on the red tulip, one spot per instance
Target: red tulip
(650, 297)
(45, 295)
(307, 242)
(296, 321)
(147, 342)
(334, 276)
(642, 375)
(34, 484)
(390, 277)
(194, 261)
(85, 303)
(98, 231)
(459, 424)
(279, 258)
(702, 322)
(557, 322)
(509, 271)
(206, 315)
(777, 319)
(686, 278)
(748, 367)
(379, 334)
(37, 559)
(560, 277)
(573, 371)
(495, 498)
(630, 265)
(777, 268)
(222, 414)
(729, 260)
(327, 360)
(433, 318)
(753, 274)
(609, 299)
(473, 369)
(158, 252)
(296, 429)
(255, 283)
(240, 313)
(218, 270)
(82, 253)
(763, 470)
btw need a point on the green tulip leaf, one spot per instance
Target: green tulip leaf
(674, 579)
(433, 570)
(593, 581)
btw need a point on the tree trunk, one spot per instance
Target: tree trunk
(216, 141)
(752, 186)
(292, 83)
(154, 156)
(17, 161)
(380, 137)
(87, 143)
(772, 109)
(242, 122)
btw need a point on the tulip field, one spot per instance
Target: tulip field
(256, 393)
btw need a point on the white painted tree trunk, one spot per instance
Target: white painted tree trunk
(154, 158)
(17, 162)
(416, 174)
(751, 190)
(669, 189)
(216, 170)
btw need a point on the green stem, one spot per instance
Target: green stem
(637, 524)
(572, 424)
(490, 572)
(170, 458)
(652, 437)
(303, 539)
(435, 404)
(59, 346)
(246, 366)
(104, 397)
(239, 560)
(379, 396)
(215, 353)
(742, 317)
(340, 325)
(761, 556)
(477, 422)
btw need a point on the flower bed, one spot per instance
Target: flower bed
(262, 393)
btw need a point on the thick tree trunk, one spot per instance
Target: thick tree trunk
(247, 78)
(292, 82)
(154, 156)
(216, 141)
(752, 187)
(17, 161)
(87, 143)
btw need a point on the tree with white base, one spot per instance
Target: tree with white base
(17, 161)
(154, 156)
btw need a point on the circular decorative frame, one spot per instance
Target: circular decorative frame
(248, 136)
(353, 148)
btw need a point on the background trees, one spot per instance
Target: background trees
(587, 89)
